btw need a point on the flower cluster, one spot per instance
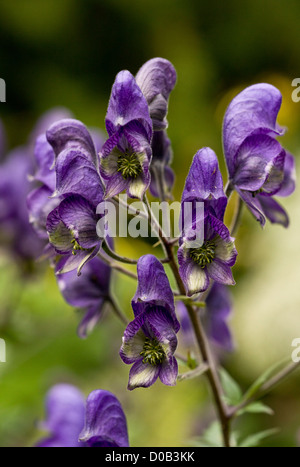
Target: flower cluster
(78, 169)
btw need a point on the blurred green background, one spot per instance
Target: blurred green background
(67, 53)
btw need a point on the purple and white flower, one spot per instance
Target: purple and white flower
(126, 155)
(258, 166)
(150, 341)
(215, 255)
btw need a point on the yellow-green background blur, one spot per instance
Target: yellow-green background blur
(67, 53)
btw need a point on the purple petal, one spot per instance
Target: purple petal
(253, 111)
(220, 272)
(225, 250)
(71, 134)
(59, 235)
(75, 174)
(254, 205)
(273, 211)
(218, 309)
(40, 204)
(159, 325)
(259, 164)
(142, 375)
(127, 104)
(65, 407)
(204, 181)
(90, 288)
(80, 218)
(169, 372)
(91, 318)
(289, 181)
(133, 342)
(153, 288)
(157, 78)
(44, 156)
(105, 423)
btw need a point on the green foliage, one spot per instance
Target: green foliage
(233, 392)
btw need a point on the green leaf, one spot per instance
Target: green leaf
(212, 437)
(255, 387)
(254, 440)
(233, 392)
(256, 407)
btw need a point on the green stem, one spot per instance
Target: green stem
(199, 371)
(237, 217)
(117, 267)
(267, 387)
(115, 256)
(212, 373)
(189, 301)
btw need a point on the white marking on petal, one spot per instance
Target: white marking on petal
(143, 377)
(137, 188)
(197, 280)
(225, 251)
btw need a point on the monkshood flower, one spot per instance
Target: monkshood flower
(72, 422)
(162, 176)
(14, 188)
(71, 226)
(258, 166)
(157, 78)
(215, 253)
(150, 341)
(126, 155)
(217, 312)
(90, 292)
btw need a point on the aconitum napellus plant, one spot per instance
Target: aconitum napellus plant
(78, 172)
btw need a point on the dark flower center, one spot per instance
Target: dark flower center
(203, 255)
(152, 352)
(129, 165)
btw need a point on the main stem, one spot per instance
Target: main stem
(204, 348)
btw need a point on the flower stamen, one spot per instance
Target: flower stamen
(203, 255)
(152, 352)
(129, 165)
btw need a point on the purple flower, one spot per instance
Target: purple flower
(218, 309)
(258, 166)
(150, 341)
(213, 256)
(156, 78)
(71, 225)
(90, 291)
(14, 188)
(100, 422)
(125, 157)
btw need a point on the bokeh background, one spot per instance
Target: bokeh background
(67, 53)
